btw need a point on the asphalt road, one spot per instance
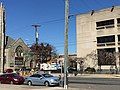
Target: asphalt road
(77, 83)
(94, 83)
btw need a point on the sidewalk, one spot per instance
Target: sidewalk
(91, 75)
(98, 75)
(57, 88)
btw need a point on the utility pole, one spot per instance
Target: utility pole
(36, 44)
(66, 44)
(36, 32)
(2, 38)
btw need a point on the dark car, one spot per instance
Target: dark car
(8, 70)
(11, 78)
(71, 69)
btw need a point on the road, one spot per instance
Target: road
(74, 82)
(94, 83)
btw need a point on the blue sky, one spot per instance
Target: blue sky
(21, 14)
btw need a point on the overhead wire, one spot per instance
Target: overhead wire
(70, 43)
(62, 19)
(56, 20)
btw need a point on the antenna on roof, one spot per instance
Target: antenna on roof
(92, 12)
(112, 8)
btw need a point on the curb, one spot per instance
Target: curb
(56, 88)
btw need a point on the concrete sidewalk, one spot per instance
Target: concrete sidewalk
(99, 75)
(57, 88)
(91, 75)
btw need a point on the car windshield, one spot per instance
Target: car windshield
(47, 75)
(14, 74)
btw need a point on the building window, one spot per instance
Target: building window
(106, 39)
(118, 22)
(105, 24)
(19, 51)
(118, 38)
(106, 56)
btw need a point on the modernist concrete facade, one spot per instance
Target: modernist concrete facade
(98, 30)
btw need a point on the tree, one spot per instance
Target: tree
(91, 58)
(44, 52)
(28, 55)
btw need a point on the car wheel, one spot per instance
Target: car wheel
(46, 83)
(29, 83)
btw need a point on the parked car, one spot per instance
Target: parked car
(8, 70)
(42, 79)
(11, 78)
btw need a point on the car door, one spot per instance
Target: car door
(2, 78)
(35, 79)
(41, 80)
(6, 79)
(9, 78)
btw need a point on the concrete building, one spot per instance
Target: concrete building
(72, 60)
(99, 31)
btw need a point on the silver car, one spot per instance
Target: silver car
(42, 79)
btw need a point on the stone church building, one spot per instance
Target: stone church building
(13, 53)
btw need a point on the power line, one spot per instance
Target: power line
(59, 20)
(53, 21)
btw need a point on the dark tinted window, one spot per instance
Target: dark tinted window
(12, 75)
(104, 23)
(2, 75)
(118, 37)
(36, 75)
(118, 20)
(106, 39)
(47, 75)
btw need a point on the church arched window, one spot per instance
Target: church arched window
(19, 51)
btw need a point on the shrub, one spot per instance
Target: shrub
(90, 70)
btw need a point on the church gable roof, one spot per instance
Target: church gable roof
(9, 41)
